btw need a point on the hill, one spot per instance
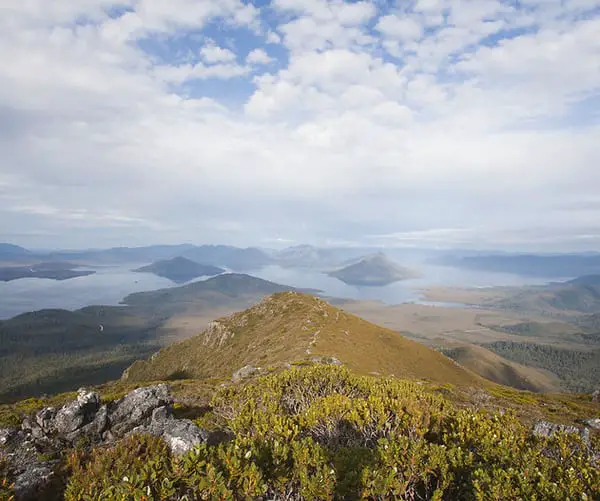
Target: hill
(593, 280)
(291, 327)
(180, 269)
(499, 370)
(58, 350)
(374, 270)
(232, 289)
(12, 252)
(52, 270)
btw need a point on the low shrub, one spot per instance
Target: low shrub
(322, 432)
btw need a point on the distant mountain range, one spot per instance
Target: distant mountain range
(560, 265)
(180, 269)
(229, 257)
(373, 270)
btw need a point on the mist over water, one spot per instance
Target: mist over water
(109, 285)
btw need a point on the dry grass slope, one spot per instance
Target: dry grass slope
(291, 327)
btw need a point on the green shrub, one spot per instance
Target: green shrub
(322, 432)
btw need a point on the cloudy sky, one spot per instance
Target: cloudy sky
(467, 123)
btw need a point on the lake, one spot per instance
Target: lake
(111, 284)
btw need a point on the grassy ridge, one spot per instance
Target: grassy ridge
(289, 327)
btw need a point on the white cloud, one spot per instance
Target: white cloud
(400, 28)
(258, 56)
(125, 128)
(212, 53)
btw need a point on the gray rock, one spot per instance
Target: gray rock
(32, 482)
(94, 430)
(596, 396)
(77, 414)
(136, 408)
(181, 435)
(548, 429)
(593, 423)
(6, 435)
(243, 373)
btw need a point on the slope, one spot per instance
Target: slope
(291, 327)
(499, 370)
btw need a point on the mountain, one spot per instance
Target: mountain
(229, 289)
(593, 280)
(581, 295)
(234, 258)
(373, 270)
(560, 265)
(59, 350)
(53, 271)
(8, 251)
(180, 269)
(499, 370)
(292, 327)
(308, 256)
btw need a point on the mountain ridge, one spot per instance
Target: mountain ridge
(290, 327)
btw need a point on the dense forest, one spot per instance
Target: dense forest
(579, 370)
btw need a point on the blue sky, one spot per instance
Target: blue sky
(446, 123)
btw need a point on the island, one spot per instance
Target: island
(180, 269)
(52, 271)
(374, 270)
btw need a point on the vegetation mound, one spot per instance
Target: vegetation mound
(288, 327)
(324, 433)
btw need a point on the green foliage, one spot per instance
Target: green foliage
(322, 432)
(579, 370)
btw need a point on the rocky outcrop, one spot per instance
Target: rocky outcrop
(86, 420)
(593, 423)
(596, 396)
(243, 373)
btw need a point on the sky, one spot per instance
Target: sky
(427, 123)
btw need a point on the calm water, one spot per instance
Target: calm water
(111, 284)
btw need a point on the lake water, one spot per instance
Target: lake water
(111, 284)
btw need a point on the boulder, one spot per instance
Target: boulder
(596, 396)
(181, 435)
(548, 429)
(33, 481)
(593, 423)
(145, 410)
(243, 373)
(135, 409)
(71, 418)
(31, 474)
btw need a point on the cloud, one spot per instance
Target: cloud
(429, 123)
(212, 53)
(258, 56)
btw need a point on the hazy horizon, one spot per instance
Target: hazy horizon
(425, 123)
